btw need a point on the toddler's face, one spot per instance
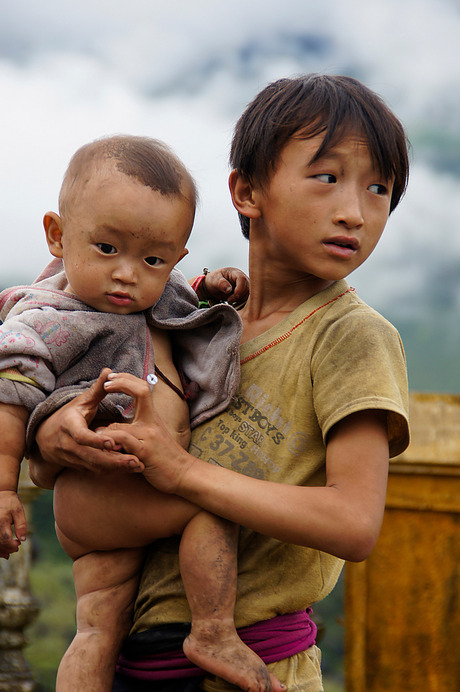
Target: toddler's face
(120, 241)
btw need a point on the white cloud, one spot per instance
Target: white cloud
(182, 71)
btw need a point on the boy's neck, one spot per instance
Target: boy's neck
(275, 292)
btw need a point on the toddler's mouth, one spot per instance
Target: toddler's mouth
(120, 299)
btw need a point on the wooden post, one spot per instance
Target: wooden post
(18, 608)
(402, 605)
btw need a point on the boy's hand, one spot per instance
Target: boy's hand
(147, 437)
(65, 440)
(229, 284)
(12, 516)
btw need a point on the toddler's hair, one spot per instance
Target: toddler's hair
(148, 160)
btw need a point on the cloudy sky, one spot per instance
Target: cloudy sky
(184, 70)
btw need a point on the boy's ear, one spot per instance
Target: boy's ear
(242, 195)
(52, 224)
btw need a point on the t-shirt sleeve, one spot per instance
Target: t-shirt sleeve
(359, 364)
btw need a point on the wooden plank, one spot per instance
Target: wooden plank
(402, 605)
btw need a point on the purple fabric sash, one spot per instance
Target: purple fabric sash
(272, 640)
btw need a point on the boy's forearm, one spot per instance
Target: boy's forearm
(284, 512)
(321, 518)
(342, 518)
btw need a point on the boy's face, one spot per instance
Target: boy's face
(120, 241)
(322, 220)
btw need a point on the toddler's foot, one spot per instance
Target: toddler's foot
(217, 648)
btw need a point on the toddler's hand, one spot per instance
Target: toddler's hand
(229, 284)
(12, 516)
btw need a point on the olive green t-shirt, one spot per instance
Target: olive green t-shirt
(331, 357)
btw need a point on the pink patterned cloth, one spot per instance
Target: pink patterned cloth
(272, 640)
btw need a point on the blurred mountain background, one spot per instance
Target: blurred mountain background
(183, 72)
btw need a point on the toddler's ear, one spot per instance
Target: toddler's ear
(52, 224)
(243, 197)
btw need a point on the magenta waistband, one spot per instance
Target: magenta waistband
(273, 640)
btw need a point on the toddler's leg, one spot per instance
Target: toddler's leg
(208, 561)
(96, 514)
(106, 586)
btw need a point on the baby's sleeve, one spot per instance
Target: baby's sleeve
(26, 373)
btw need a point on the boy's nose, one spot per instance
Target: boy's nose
(349, 212)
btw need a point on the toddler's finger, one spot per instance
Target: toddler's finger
(20, 524)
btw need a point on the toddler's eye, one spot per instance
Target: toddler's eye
(106, 248)
(378, 189)
(153, 261)
(326, 178)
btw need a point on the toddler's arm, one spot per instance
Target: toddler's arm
(12, 424)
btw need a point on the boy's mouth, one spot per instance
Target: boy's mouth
(342, 246)
(351, 243)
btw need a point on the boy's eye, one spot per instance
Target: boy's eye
(326, 178)
(153, 261)
(106, 248)
(378, 189)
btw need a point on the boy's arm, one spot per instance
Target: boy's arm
(13, 527)
(342, 518)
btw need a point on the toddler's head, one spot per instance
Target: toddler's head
(126, 210)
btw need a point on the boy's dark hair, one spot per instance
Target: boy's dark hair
(148, 160)
(311, 105)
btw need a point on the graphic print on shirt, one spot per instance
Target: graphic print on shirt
(247, 437)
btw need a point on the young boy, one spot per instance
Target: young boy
(126, 209)
(318, 162)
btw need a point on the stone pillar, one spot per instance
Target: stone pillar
(18, 608)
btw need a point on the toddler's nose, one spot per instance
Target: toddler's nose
(125, 272)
